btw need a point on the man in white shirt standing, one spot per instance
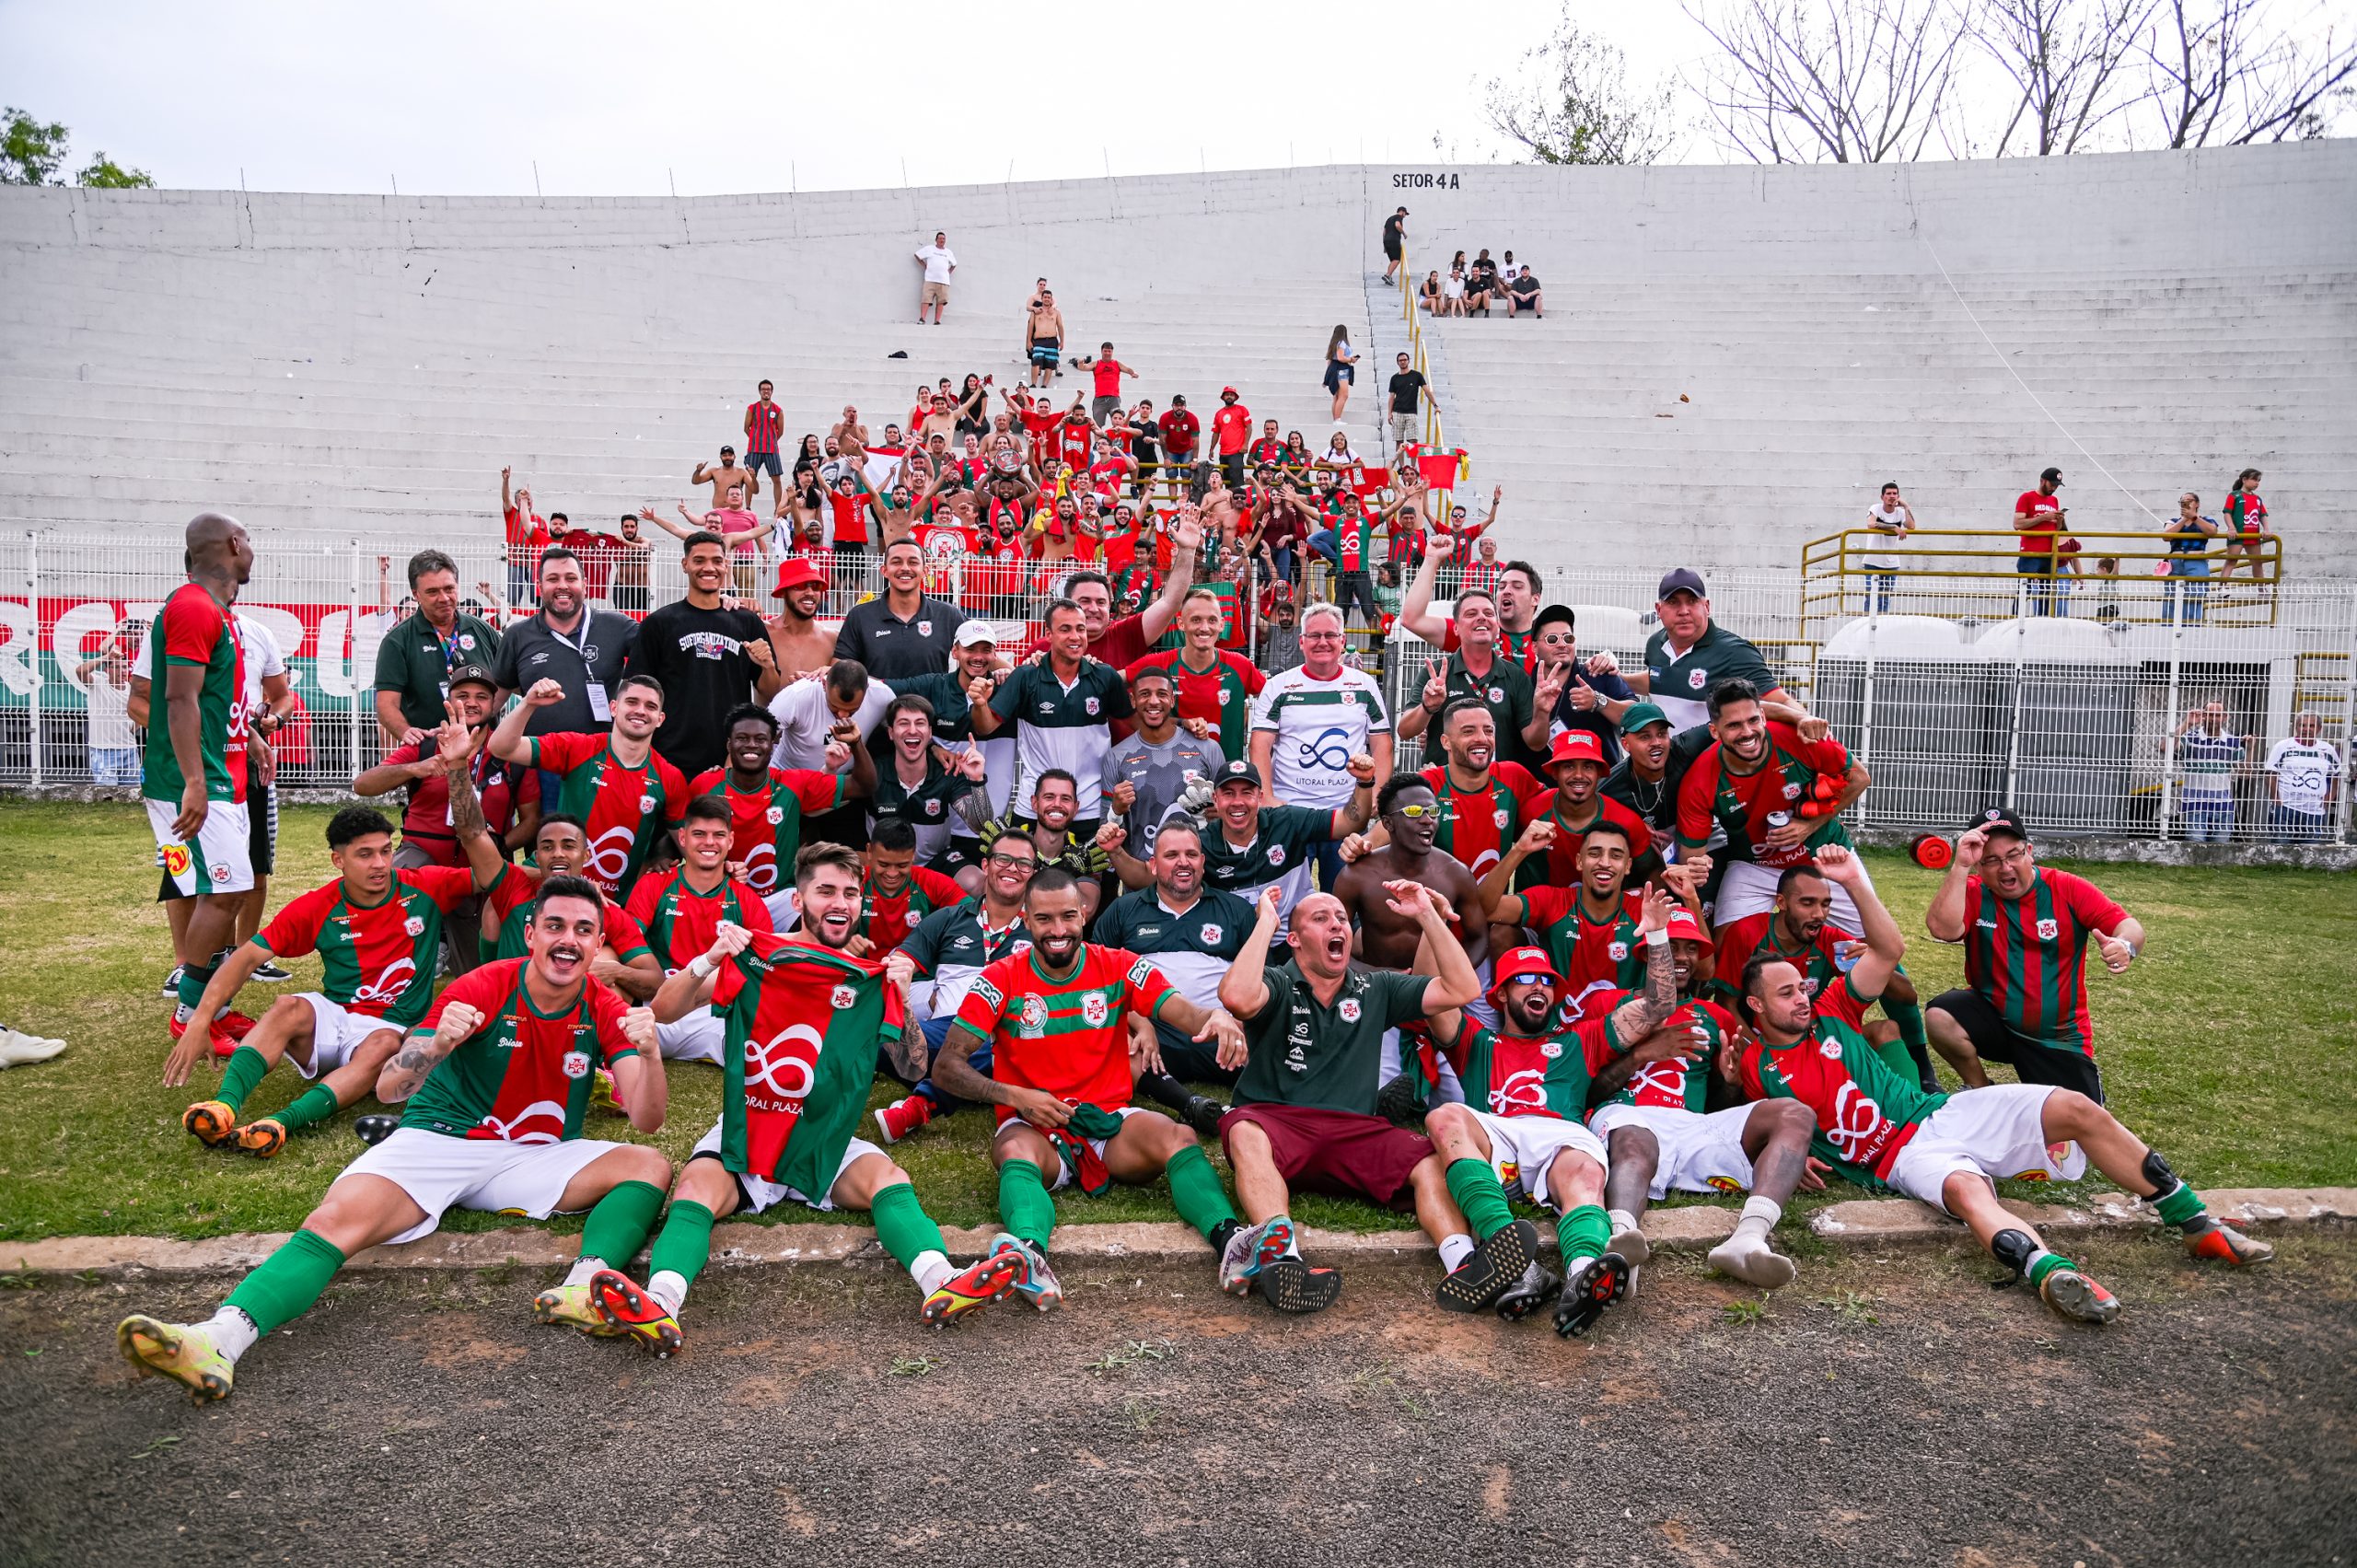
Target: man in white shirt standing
(269, 699)
(1311, 720)
(938, 264)
(2304, 773)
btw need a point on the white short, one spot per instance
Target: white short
(1747, 890)
(698, 1036)
(220, 861)
(336, 1033)
(760, 1192)
(1699, 1153)
(1523, 1150)
(1998, 1131)
(1063, 1177)
(440, 1172)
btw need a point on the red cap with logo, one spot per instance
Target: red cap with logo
(794, 573)
(1684, 927)
(1526, 964)
(1576, 746)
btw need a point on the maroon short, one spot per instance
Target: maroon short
(1336, 1151)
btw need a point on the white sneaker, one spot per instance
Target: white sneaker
(17, 1047)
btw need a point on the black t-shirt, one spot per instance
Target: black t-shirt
(1407, 391)
(1485, 273)
(1145, 438)
(892, 648)
(1391, 228)
(1526, 284)
(699, 656)
(597, 650)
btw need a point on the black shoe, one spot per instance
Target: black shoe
(1291, 1285)
(1203, 1113)
(1398, 1103)
(271, 974)
(1537, 1287)
(1588, 1294)
(1495, 1268)
(172, 985)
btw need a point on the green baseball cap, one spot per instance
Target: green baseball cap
(1640, 714)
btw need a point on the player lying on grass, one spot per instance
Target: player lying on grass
(378, 932)
(1056, 1022)
(495, 1081)
(800, 1018)
(1948, 1150)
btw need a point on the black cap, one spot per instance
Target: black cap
(2000, 819)
(1561, 612)
(1684, 580)
(2053, 475)
(473, 672)
(1237, 772)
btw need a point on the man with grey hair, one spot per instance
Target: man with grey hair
(1311, 720)
(414, 661)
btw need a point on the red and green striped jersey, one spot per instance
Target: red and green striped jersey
(1477, 824)
(193, 629)
(885, 919)
(1564, 855)
(768, 820)
(1738, 941)
(524, 1076)
(380, 959)
(1749, 804)
(1516, 1076)
(622, 807)
(1676, 1085)
(507, 906)
(1067, 1038)
(800, 1027)
(680, 921)
(1595, 957)
(1866, 1113)
(2027, 956)
(1220, 696)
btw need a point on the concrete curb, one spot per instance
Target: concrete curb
(1865, 1221)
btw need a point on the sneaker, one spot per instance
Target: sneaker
(271, 974)
(572, 1306)
(627, 1309)
(1537, 1287)
(185, 1355)
(1495, 1268)
(974, 1287)
(2075, 1296)
(904, 1116)
(1588, 1293)
(1290, 1285)
(1037, 1284)
(17, 1047)
(210, 1122)
(173, 984)
(2224, 1244)
(263, 1138)
(1396, 1101)
(1251, 1252)
(1203, 1113)
(231, 1025)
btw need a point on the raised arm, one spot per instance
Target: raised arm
(1244, 989)
(1885, 946)
(1944, 917)
(1644, 1013)
(1416, 607)
(1186, 539)
(508, 742)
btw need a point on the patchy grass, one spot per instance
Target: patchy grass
(2227, 1046)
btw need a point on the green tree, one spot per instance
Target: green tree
(30, 151)
(104, 174)
(1574, 104)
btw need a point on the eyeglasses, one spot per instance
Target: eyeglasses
(1002, 858)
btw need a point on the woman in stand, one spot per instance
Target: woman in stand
(1341, 370)
(2247, 529)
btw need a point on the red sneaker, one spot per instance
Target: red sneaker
(903, 1117)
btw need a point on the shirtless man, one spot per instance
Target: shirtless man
(797, 645)
(723, 474)
(849, 436)
(1043, 338)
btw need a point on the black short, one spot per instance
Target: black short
(759, 460)
(2033, 1060)
(961, 854)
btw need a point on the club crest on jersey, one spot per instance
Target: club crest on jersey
(577, 1064)
(1209, 935)
(1497, 693)
(1792, 790)
(1499, 816)
(645, 804)
(1551, 1049)
(1223, 695)
(933, 807)
(1696, 676)
(1830, 1049)
(1093, 1010)
(1088, 705)
(1619, 950)
(414, 926)
(2049, 929)
(925, 628)
(1349, 1010)
(466, 639)
(776, 814)
(842, 998)
(1276, 855)
(1034, 1022)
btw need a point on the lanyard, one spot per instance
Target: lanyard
(579, 644)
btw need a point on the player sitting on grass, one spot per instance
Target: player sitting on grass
(1948, 1150)
(800, 1021)
(496, 1079)
(1056, 1022)
(379, 933)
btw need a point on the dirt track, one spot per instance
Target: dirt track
(1892, 1410)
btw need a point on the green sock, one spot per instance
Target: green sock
(288, 1281)
(1024, 1206)
(1908, 1016)
(2179, 1205)
(1899, 1059)
(2043, 1264)
(907, 1232)
(1474, 1187)
(1585, 1231)
(1195, 1189)
(239, 1079)
(617, 1227)
(685, 1245)
(314, 1104)
(195, 978)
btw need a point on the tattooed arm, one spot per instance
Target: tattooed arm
(424, 1050)
(1645, 1012)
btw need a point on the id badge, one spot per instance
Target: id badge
(599, 709)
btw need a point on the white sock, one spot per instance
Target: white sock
(1760, 1218)
(1622, 1221)
(233, 1332)
(929, 1269)
(581, 1271)
(670, 1288)
(1454, 1250)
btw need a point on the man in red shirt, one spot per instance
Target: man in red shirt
(2041, 520)
(1231, 433)
(764, 423)
(527, 535)
(1107, 373)
(1124, 642)
(1559, 819)
(1180, 429)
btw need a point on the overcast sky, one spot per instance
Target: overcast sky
(722, 96)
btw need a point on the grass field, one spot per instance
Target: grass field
(2229, 1045)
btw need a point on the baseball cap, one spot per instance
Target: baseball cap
(1237, 771)
(2000, 819)
(1178, 399)
(1639, 715)
(471, 672)
(794, 573)
(975, 633)
(1683, 580)
(1684, 927)
(1554, 613)
(1526, 964)
(2053, 475)
(1576, 746)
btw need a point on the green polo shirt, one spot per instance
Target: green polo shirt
(1327, 1058)
(414, 660)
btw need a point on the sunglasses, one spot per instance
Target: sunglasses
(1417, 813)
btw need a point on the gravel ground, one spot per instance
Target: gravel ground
(1891, 1410)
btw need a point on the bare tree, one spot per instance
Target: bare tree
(1579, 108)
(2228, 71)
(1831, 81)
(2072, 65)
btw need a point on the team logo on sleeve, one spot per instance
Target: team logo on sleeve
(1349, 1010)
(844, 997)
(414, 926)
(1093, 1010)
(1034, 1020)
(577, 1064)
(2049, 929)
(776, 814)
